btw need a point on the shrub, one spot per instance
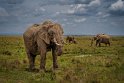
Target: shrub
(7, 53)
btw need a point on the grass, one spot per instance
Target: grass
(79, 63)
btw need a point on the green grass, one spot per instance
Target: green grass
(79, 63)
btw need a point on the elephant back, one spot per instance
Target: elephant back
(31, 31)
(103, 36)
(29, 38)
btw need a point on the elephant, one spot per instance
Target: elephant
(70, 39)
(41, 38)
(101, 38)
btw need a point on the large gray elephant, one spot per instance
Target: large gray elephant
(101, 38)
(40, 38)
(71, 39)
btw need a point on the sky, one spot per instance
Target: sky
(77, 17)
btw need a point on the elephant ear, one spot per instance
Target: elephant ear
(44, 36)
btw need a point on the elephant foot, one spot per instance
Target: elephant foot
(42, 70)
(32, 69)
(55, 67)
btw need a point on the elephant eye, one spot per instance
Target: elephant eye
(51, 33)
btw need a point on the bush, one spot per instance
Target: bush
(7, 53)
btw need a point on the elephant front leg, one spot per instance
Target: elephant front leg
(43, 61)
(97, 42)
(55, 65)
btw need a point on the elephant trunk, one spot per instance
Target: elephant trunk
(93, 39)
(58, 47)
(59, 50)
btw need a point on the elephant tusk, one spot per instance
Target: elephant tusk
(56, 42)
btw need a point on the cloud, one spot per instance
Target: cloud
(103, 14)
(56, 14)
(77, 9)
(80, 20)
(117, 8)
(95, 3)
(11, 2)
(69, 13)
(3, 12)
(41, 9)
(80, 9)
(99, 13)
(82, 1)
(119, 5)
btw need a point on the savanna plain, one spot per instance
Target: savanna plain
(80, 63)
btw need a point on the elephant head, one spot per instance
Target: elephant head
(52, 35)
(93, 39)
(56, 37)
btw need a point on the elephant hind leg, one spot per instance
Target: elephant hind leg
(99, 44)
(31, 58)
(108, 42)
(105, 44)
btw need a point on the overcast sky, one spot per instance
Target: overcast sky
(77, 17)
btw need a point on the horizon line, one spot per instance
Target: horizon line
(20, 34)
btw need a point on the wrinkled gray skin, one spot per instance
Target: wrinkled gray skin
(41, 38)
(101, 38)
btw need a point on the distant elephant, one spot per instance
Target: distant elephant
(101, 38)
(40, 38)
(70, 39)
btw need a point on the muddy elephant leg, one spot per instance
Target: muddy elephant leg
(43, 60)
(97, 42)
(109, 43)
(105, 44)
(31, 58)
(55, 65)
